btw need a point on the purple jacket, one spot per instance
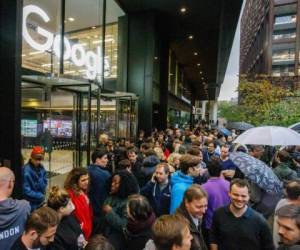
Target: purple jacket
(217, 190)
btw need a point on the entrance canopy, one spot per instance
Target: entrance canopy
(201, 33)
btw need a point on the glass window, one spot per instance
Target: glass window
(83, 30)
(285, 55)
(41, 23)
(284, 34)
(279, 20)
(283, 70)
(113, 12)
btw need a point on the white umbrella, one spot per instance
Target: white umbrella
(269, 135)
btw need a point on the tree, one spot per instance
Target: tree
(261, 103)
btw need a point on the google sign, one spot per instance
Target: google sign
(74, 52)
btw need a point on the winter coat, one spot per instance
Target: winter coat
(137, 233)
(158, 199)
(34, 184)
(99, 187)
(83, 212)
(115, 221)
(137, 172)
(295, 247)
(179, 183)
(13, 215)
(198, 242)
(67, 233)
(285, 173)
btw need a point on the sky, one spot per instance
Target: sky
(231, 80)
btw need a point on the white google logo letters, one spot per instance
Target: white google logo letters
(76, 52)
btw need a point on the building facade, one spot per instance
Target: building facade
(72, 69)
(270, 33)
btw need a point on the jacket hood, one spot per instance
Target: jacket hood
(10, 210)
(179, 177)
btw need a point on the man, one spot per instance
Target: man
(228, 167)
(211, 151)
(99, 177)
(136, 163)
(292, 191)
(192, 208)
(158, 190)
(40, 229)
(217, 189)
(283, 170)
(203, 176)
(170, 232)
(288, 219)
(183, 179)
(237, 226)
(148, 166)
(256, 151)
(34, 179)
(13, 213)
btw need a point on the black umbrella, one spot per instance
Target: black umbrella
(240, 126)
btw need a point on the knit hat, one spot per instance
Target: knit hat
(37, 152)
(151, 161)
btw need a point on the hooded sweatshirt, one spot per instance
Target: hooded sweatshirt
(179, 183)
(13, 215)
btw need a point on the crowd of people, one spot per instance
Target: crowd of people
(174, 190)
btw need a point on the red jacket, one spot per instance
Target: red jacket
(83, 212)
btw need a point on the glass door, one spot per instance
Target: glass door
(58, 117)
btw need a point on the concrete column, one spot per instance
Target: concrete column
(203, 110)
(213, 112)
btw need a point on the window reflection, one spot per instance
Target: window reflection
(283, 70)
(279, 20)
(285, 55)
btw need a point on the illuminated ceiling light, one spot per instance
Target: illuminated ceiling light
(198, 64)
(202, 78)
(191, 37)
(183, 9)
(94, 27)
(155, 58)
(200, 72)
(71, 19)
(195, 53)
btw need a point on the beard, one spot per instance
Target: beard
(36, 243)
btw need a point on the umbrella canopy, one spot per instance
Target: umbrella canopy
(240, 126)
(295, 127)
(225, 131)
(269, 135)
(257, 172)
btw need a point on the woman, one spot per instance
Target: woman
(173, 162)
(114, 209)
(68, 235)
(140, 219)
(77, 184)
